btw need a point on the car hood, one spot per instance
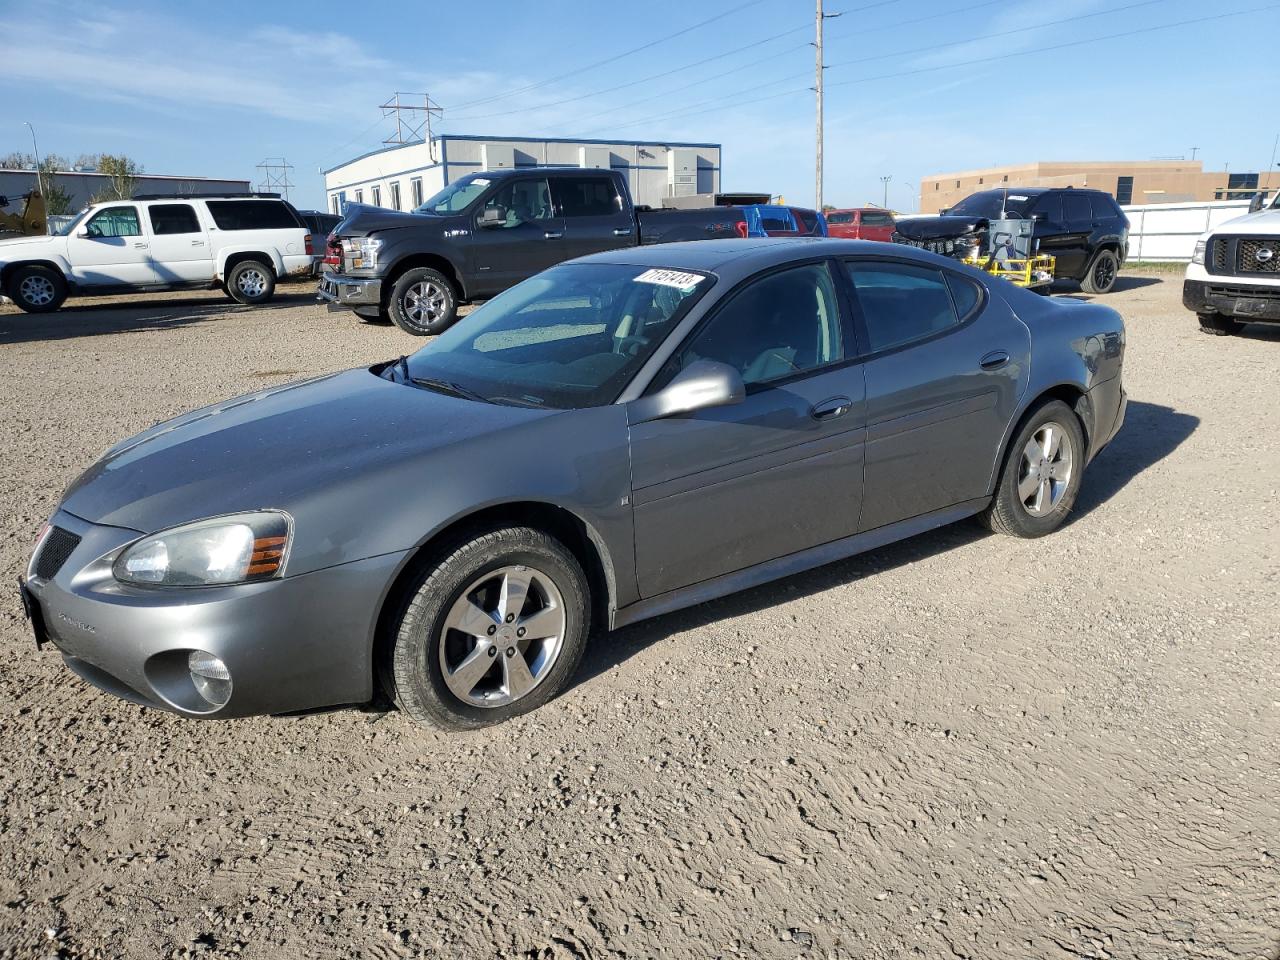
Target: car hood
(362, 220)
(1262, 222)
(15, 243)
(939, 228)
(292, 447)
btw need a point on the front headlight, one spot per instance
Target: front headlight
(1198, 256)
(361, 252)
(240, 548)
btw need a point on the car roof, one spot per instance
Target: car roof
(860, 210)
(743, 257)
(544, 171)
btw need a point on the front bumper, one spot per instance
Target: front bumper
(355, 293)
(293, 644)
(1231, 298)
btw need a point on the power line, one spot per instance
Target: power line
(600, 63)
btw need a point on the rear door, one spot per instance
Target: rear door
(945, 367)
(528, 238)
(596, 215)
(723, 489)
(1072, 248)
(115, 249)
(179, 243)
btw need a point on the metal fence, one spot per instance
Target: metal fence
(1168, 231)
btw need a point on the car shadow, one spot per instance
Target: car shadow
(1124, 282)
(1260, 331)
(1151, 432)
(146, 314)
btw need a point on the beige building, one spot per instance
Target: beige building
(1142, 181)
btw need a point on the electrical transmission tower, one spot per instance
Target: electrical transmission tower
(275, 176)
(413, 121)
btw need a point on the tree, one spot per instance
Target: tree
(122, 177)
(17, 160)
(57, 202)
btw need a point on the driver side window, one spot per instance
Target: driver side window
(522, 201)
(114, 222)
(780, 325)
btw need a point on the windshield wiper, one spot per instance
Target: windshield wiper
(446, 386)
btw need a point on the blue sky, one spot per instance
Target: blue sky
(189, 89)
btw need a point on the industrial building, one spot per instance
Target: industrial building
(84, 185)
(401, 176)
(1130, 182)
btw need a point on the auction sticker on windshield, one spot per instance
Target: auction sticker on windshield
(671, 278)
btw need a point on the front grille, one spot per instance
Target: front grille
(1219, 255)
(55, 550)
(1258, 255)
(1252, 293)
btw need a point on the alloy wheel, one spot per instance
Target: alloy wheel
(1104, 272)
(424, 302)
(251, 283)
(502, 636)
(37, 291)
(1045, 474)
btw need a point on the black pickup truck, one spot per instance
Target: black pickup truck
(488, 231)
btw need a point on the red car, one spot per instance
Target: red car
(862, 223)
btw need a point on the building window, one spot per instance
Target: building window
(359, 196)
(415, 187)
(957, 184)
(1005, 178)
(1124, 190)
(377, 196)
(1241, 186)
(395, 195)
(937, 185)
(980, 181)
(333, 204)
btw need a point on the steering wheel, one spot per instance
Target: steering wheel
(629, 346)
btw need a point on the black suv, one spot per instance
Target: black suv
(1084, 230)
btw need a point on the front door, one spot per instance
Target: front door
(111, 249)
(727, 488)
(946, 366)
(1064, 231)
(179, 245)
(528, 238)
(596, 218)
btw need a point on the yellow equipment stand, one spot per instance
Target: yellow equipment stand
(1030, 272)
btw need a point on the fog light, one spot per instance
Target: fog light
(211, 677)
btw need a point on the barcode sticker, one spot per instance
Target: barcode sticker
(671, 278)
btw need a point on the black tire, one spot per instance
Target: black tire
(1102, 273)
(1217, 325)
(250, 282)
(1008, 513)
(423, 302)
(37, 289)
(413, 670)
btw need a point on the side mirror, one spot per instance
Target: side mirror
(494, 216)
(1257, 203)
(701, 385)
(944, 211)
(83, 232)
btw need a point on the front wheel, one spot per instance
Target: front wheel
(1101, 276)
(37, 289)
(1217, 325)
(492, 631)
(250, 282)
(423, 302)
(1041, 474)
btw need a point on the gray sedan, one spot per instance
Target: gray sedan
(618, 437)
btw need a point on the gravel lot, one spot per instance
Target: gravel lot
(962, 745)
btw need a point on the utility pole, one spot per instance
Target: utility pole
(819, 17)
(885, 181)
(1272, 165)
(1194, 151)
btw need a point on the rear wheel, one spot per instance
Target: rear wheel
(1041, 474)
(423, 302)
(251, 281)
(37, 289)
(1218, 325)
(1101, 276)
(492, 631)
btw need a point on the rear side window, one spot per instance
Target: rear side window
(965, 294)
(901, 302)
(586, 196)
(1076, 208)
(173, 218)
(874, 218)
(1051, 206)
(776, 221)
(839, 218)
(807, 219)
(251, 215)
(1103, 207)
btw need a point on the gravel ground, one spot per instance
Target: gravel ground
(962, 745)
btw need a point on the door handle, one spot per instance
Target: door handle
(553, 234)
(831, 409)
(622, 232)
(197, 243)
(141, 246)
(994, 360)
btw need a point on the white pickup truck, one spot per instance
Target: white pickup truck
(1234, 274)
(241, 243)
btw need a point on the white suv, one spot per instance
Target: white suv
(241, 243)
(1234, 275)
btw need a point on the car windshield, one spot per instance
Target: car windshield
(66, 228)
(988, 204)
(456, 196)
(571, 337)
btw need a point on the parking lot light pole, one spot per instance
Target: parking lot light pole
(36, 150)
(885, 181)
